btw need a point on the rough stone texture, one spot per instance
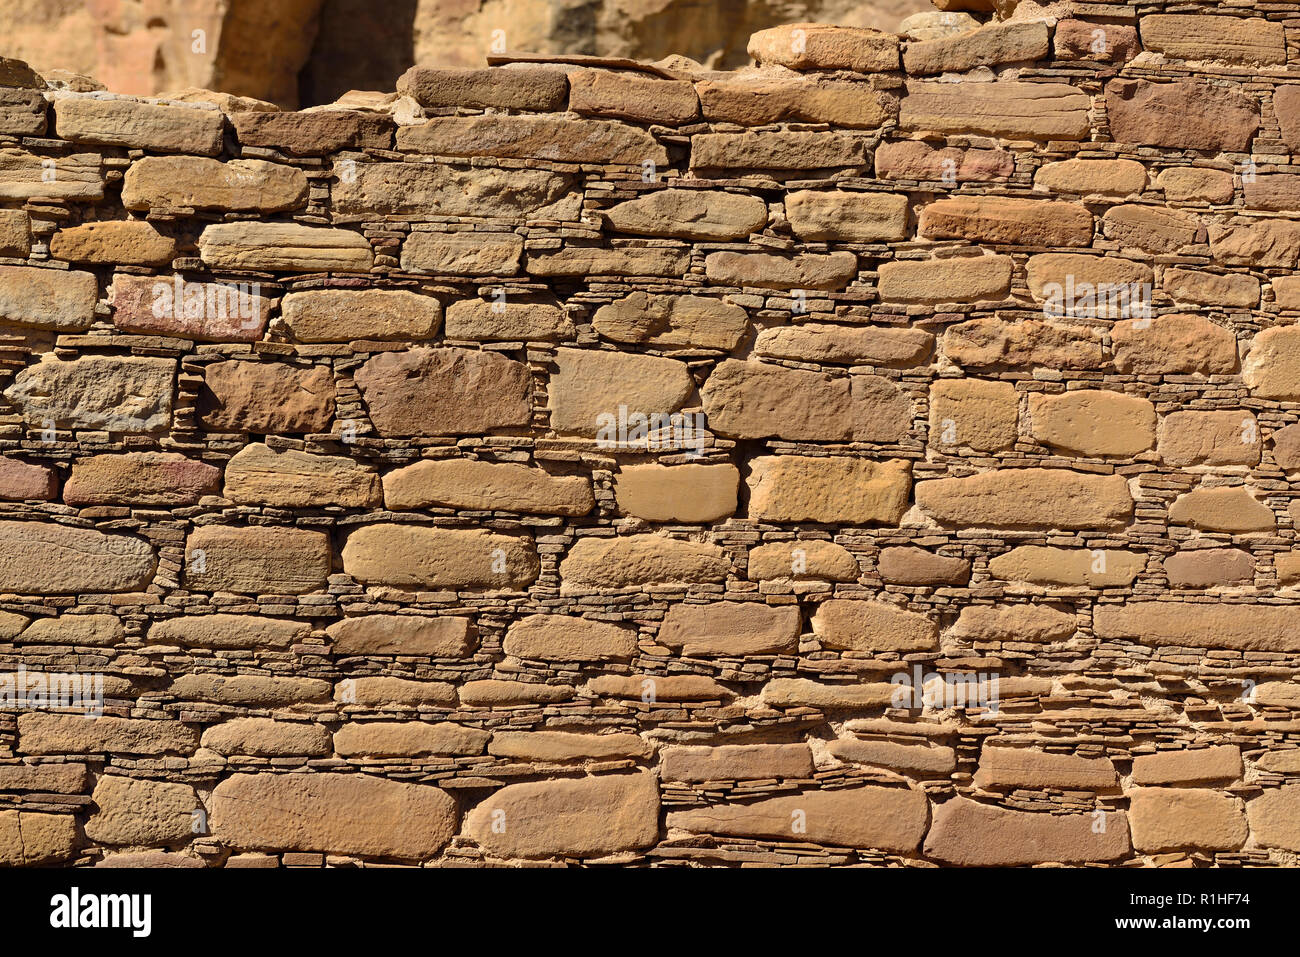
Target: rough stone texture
(439, 558)
(278, 560)
(330, 315)
(970, 834)
(1166, 819)
(730, 629)
(140, 478)
(1028, 498)
(187, 181)
(266, 397)
(47, 559)
(467, 484)
(47, 298)
(142, 812)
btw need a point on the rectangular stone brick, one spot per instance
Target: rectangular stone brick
(139, 125)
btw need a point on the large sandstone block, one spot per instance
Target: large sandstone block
(126, 242)
(851, 345)
(778, 151)
(332, 813)
(741, 762)
(268, 738)
(445, 636)
(641, 561)
(259, 475)
(692, 494)
(1168, 819)
(1209, 567)
(958, 280)
(688, 214)
(1093, 422)
(462, 254)
(15, 233)
(1177, 343)
(394, 693)
(208, 311)
(313, 133)
(21, 482)
(974, 413)
(85, 631)
(437, 189)
(1083, 286)
(803, 271)
(140, 478)
(1256, 243)
(764, 97)
(534, 137)
(78, 177)
(419, 555)
(407, 739)
(228, 631)
(199, 183)
(256, 560)
(988, 46)
(478, 485)
(1153, 230)
(1272, 366)
(1028, 498)
(802, 693)
(820, 46)
(792, 488)
(1182, 114)
(523, 88)
(1013, 622)
(582, 817)
(41, 558)
(1217, 763)
(138, 125)
(1250, 41)
(970, 834)
(1275, 818)
(40, 733)
(873, 627)
(1019, 222)
(841, 216)
(626, 95)
(1046, 565)
(590, 386)
(483, 321)
(266, 398)
(29, 839)
(250, 690)
(1009, 109)
(551, 747)
(885, 819)
(140, 812)
(1209, 438)
(290, 247)
(992, 342)
(38, 298)
(907, 565)
(426, 391)
(1226, 290)
(1010, 768)
(1093, 177)
(917, 160)
(22, 112)
(1222, 509)
(344, 315)
(667, 322)
(568, 638)
(668, 262)
(1242, 627)
(1192, 184)
(732, 629)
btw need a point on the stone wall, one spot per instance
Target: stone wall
(326, 475)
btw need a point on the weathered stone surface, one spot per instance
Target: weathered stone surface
(1192, 184)
(125, 242)
(1272, 366)
(651, 688)
(140, 478)
(1044, 565)
(1092, 40)
(437, 189)
(477, 485)
(1212, 289)
(253, 632)
(313, 133)
(1286, 447)
(916, 760)
(1190, 766)
(1009, 768)
(339, 315)
(626, 95)
(640, 561)
(777, 151)
(805, 271)
(47, 778)
(139, 125)
(851, 345)
(394, 693)
(390, 554)
(269, 738)
(1093, 177)
(20, 482)
(667, 322)
(790, 488)
(1152, 229)
(209, 311)
(992, 342)
(1256, 243)
(873, 626)
(568, 638)
(1028, 498)
(730, 628)
(28, 839)
(842, 216)
(1253, 41)
(1168, 819)
(1020, 222)
(266, 398)
(445, 391)
(40, 733)
(15, 233)
(446, 636)
(970, 834)
(485, 321)
(585, 817)
(1093, 422)
(965, 279)
(75, 178)
(1182, 114)
(198, 183)
(802, 693)
(1209, 438)
(533, 137)
(22, 112)
(974, 413)
(886, 819)
(256, 560)
(1224, 509)
(819, 46)
(1018, 622)
(742, 762)
(41, 558)
(1015, 110)
(142, 812)
(1286, 762)
(332, 813)
(688, 214)
(407, 739)
(914, 159)
(590, 386)
(1195, 625)
(528, 89)
(987, 46)
(669, 262)
(1103, 287)
(95, 631)
(463, 254)
(562, 746)
(803, 560)
(284, 246)
(40, 298)
(763, 97)
(915, 566)
(695, 494)
(258, 474)
(1275, 818)
(1178, 344)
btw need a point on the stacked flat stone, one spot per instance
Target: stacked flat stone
(307, 454)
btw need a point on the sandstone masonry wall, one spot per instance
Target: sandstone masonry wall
(324, 458)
